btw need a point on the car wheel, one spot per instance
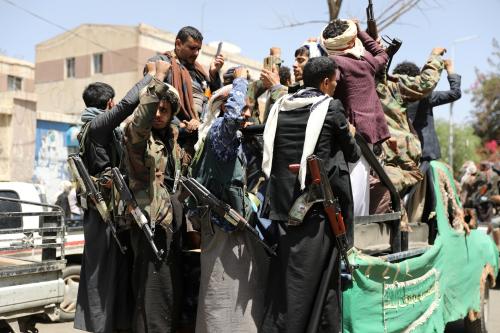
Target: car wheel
(479, 325)
(71, 277)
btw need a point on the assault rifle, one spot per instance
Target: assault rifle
(370, 20)
(224, 210)
(139, 217)
(87, 185)
(331, 206)
(392, 48)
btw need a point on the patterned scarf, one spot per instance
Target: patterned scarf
(319, 107)
(182, 81)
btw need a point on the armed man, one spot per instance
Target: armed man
(189, 77)
(421, 115)
(103, 302)
(304, 249)
(232, 269)
(152, 161)
(359, 58)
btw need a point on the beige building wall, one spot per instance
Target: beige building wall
(17, 121)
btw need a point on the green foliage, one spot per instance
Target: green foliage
(465, 143)
(486, 97)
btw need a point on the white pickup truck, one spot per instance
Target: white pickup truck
(34, 246)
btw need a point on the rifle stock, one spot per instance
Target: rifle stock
(96, 196)
(139, 217)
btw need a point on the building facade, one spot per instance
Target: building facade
(17, 119)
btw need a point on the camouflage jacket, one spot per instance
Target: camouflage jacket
(152, 157)
(255, 90)
(403, 166)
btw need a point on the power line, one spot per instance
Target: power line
(29, 12)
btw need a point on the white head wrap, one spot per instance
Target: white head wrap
(213, 109)
(340, 44)
(314, 49)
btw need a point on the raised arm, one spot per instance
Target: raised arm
(443, 97)
(413, 88)
(380, 57)
(138, 131)
(223, 132)
(103, 124)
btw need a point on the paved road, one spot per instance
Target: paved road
(494, 320)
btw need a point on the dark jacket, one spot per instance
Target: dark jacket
(356, 90)
(335, 147)
(103, 303)
(100, 138)
(422, 117)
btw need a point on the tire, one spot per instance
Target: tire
(71, 277)
(479, 325)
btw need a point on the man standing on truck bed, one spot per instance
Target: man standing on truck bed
(304, 249)
(104, 295)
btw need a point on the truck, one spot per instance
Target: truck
(31, 261)
(422, 280)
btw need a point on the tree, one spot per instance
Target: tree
(465, 146)
(385, 18)
(486, 97)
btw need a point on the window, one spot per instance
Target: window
(97, 61)
(70, 67)
(9, 206)
(14, 83)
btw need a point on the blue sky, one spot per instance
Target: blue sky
(247, 24)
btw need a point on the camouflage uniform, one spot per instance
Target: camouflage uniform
(403, 167)
(150, 156)
(152, 159)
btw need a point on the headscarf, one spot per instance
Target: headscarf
(340, 45)
(90, 113)
(215, 102)
(314, 49)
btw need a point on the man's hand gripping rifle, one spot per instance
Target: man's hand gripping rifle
(224, 210)
(139, 217)
(89, 189)
(331, 206)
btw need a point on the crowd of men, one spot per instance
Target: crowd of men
(184, 122)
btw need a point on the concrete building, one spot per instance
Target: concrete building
(17, 119)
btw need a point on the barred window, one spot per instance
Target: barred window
(14, 83)
(70, 67)
(97, 61)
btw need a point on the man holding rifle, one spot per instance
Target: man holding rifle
(103, 298)
(152, 161)
(299, 125)
(232, 269)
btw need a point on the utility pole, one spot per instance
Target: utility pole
(451, 137)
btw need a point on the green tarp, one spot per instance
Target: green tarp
(420, 294)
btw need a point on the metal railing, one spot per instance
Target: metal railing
(27, 246)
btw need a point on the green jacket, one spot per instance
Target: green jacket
(152, 157)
